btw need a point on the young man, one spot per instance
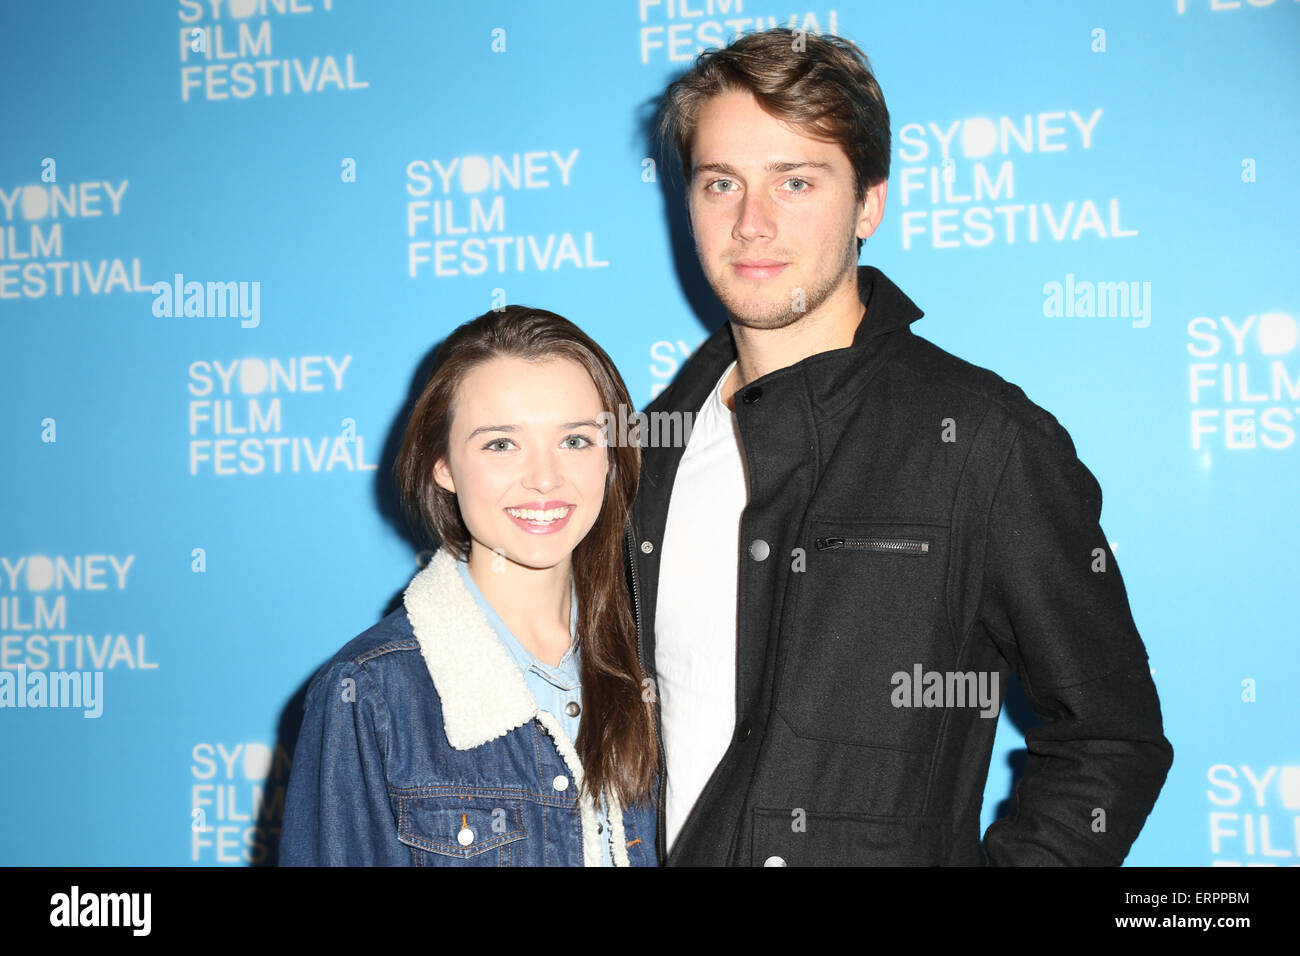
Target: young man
(864, 535)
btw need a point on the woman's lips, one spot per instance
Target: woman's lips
(533, 527)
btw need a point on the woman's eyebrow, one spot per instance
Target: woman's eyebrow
(491, 428)
(514, 428)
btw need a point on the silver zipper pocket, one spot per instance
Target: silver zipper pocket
(895, 545)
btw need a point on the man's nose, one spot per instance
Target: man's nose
(757, 219)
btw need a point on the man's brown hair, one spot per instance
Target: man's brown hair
(822, 86)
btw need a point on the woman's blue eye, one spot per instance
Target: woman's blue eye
(496, 443)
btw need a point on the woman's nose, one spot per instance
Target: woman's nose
(542, 470)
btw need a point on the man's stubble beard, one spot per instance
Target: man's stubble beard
(778, 316)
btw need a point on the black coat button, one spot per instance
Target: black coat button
(752, 394)
(742, 730)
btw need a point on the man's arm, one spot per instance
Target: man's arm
(1055, 604)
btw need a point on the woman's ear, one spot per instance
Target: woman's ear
(442, 475)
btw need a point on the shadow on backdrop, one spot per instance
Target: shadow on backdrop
(695, 288)
(390, 508)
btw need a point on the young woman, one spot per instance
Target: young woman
(497, 717)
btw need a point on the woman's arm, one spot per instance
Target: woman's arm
(336, 810)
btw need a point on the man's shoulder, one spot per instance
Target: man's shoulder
(936, 371)
(700, 370)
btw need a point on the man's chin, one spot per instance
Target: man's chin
(759, 314)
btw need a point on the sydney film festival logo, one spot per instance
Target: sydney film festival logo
(457, 222)
(35, 258)
(1243, 382)
(959, 186)
(47, 660)
(1254, 818)
(237, 412)
(236, 50)
(676, 31)
(236, 801)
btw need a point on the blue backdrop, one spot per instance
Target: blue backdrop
(1097, 200)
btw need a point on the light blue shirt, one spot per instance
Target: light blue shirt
(553, 688)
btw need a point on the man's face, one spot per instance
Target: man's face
(773, 212)
(525, 459)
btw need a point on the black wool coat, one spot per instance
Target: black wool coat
(909, 513)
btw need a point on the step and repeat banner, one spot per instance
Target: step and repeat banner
(232, 231)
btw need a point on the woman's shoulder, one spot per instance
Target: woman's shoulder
(391, 635)
(383, 652)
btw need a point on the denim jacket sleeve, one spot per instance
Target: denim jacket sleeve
(337, 811)
(1055, 605)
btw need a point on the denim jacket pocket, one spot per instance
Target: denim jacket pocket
(451, 828)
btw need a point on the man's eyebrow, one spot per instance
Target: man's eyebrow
(727, 169)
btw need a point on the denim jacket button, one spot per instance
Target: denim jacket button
(465, 837)
(561, 782)
(572, 708)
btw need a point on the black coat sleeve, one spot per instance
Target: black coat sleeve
(1054, 603)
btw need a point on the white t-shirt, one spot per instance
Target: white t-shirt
(695, 608)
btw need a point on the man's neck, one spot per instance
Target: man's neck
(760, 351)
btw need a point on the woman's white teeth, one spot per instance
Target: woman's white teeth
(529, 514)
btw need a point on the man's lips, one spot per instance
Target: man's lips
(758, 268)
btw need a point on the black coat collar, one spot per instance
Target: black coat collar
(888, 309)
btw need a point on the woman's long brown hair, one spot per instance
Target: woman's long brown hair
(616, 740)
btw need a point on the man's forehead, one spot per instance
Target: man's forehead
(761, 144)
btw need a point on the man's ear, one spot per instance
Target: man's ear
(872, 210)
(442, 475)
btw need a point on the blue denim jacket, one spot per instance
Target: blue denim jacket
(421, 745)
(553, 688)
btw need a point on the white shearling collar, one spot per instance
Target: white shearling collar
(483, 694)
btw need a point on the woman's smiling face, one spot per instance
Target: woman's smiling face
(525, 459)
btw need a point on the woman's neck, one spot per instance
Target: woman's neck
(533, 602)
